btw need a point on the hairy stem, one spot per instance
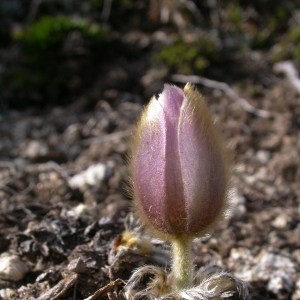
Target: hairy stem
(182, 264)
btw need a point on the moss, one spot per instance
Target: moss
(288, 48)
(294, 34)
(188, 57)
(50, 31)
(45, 69)
(236, 15)
(96, 3)
(296, 53)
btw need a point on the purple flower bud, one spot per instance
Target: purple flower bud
(179, 165)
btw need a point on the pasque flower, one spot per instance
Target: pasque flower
(179, 173)
(179, 165)
(180, 177)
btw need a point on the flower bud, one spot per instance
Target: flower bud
(179, 165)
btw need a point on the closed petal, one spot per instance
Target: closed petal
(148, 164)
(175, 213)
(203, 163)
(158, 188)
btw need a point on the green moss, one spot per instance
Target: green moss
(50, 31)
(236, 15)
(45, 69)
(296, 53)
(281, 13)
(294, 34)
(188, 57)
(96, 3)
(289, 47)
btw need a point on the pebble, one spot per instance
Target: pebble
(93, 176)
(6, 293)
(280, 281)
(238, 204)
(12, 268)
(77, 265)
(36, 149)
(263, 156)
(281, 221)
(268, 263)
(277, 269)
(296, 295)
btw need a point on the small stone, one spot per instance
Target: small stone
(280, 221)
(238, 207)
(36, 149)
(241, 260)
(263, 156)
(267, 263)
(80, 209)
(6, 293)
(280, 281)
(76, 265)
(72, 133)
(296, 295)
(12, 268)
(93, 176)
(263, 266)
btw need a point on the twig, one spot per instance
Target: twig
(290, 71)
(60, 288)
(107, 138)
(106, 289)
(106, 10)
(34, 5)
(226, 89)
(27, 190)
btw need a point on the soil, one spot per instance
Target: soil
(53, 213)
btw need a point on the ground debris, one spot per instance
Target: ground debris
(67, 234)
(61, 288)
(106, 290)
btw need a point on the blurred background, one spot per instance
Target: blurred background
(54, 51)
